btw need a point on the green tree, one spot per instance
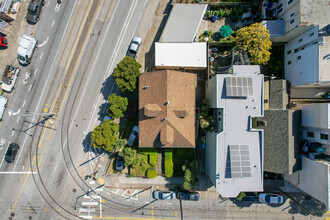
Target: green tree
(129, 155)
(121, 144)
(126, 74)
(255, 40)
(105, 136)
(117, 105)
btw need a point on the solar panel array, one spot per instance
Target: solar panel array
(240, 165)
(239, 86)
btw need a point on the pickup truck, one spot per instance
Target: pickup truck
(134, 47)
(9, 78)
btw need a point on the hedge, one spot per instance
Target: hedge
(153, 159)
(152, 153)
(151, 173)
(168, 163)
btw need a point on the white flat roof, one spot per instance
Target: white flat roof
(239, 147)
(183, 23)
(181, 54)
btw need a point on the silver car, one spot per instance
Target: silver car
(161, 195)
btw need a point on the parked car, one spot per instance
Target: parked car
(3, 105)
(134, 47)
(11, 152)
(119, 163)
(9, 78)
(249, 199)
(3, 43)
(270, 198)
(186, 195)
(161, 195)
(34, 11)
(132, 138)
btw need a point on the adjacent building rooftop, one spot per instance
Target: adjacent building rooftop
(183, 23)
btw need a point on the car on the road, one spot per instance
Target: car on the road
(162, 195)
(132, 138)
(34, 11)
(119, 163)
(11, 152)
(134, 47)
(270, 198)
(3, 105)
(187, 195)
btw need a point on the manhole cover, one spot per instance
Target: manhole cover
(12, 214)
(10, 218)
(74, 190)
(30, 217)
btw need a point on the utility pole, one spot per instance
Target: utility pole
(180, 205)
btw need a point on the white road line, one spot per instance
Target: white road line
(18, 172)
(16, 112)
(118, 43)
(18, 118)
(41, 55)
(35, 72)
(12, 133)
(57, 7)
(4, 156)
(43, 90)
(89, 203)
(48, 3)
(41, 45)
(96, 59)
(53, 23)
(24, 103)
(30, 89)
(55, 167)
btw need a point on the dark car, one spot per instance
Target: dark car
(11, 152)
(186, 195)
(119, 163)
(34, 11)
(249, 199)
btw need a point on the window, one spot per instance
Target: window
(292, 21)
(289, 51)
(324, 136)
(289, 62)
(311, 34)
(295, 50)
(290, 1)
(310, 134)
(292, 14)
(298, 57)
(300, 40)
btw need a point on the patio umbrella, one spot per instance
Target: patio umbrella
(225, 31)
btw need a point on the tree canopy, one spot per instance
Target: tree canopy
(105, 136)
(255, 40)
(126, 74)
(117, 105)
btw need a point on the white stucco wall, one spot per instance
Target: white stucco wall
(313, 179)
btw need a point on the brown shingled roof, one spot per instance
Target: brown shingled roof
(167, 109)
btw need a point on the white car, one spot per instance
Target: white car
(9, 78)
(134, 47)
(270, 198)
(133, 136)
(3, 105)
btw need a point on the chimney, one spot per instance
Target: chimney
(168, 102)
(145, 87)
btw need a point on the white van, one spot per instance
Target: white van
(3, 105)
(9, 78)
(25, 49)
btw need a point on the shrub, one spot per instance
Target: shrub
(153, 159)
(139, 166)
(240, 196)
(168, 163)
(151, 173)
(186, 185)
(129, 155)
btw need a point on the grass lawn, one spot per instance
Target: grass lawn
(180, 158)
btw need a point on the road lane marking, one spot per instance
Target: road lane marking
(35, 72)
(129, 218)
(57, 7)
(23, 103)
(16, 112)
(43, 44)
(53, 23)
(152, 212)
(175, 213)
(30, 88)
(112, 60)
(5, 151)
(66, 27)
(18, 119)
(41, 55)
(48, 3)
(12, 133)
(18, 172)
